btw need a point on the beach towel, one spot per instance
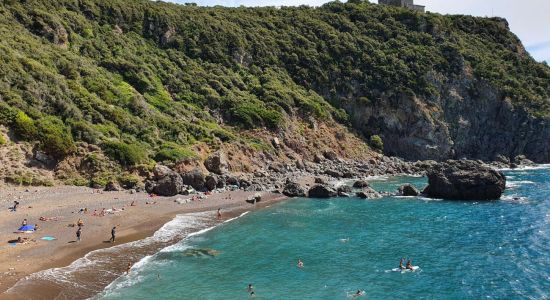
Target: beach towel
(48, 238)
(26, 228)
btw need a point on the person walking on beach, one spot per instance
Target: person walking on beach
(128, 267)
(219, 214)
(113, 234)
(15, 205)
(78, 233)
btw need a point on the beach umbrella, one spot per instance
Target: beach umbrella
(26, 228)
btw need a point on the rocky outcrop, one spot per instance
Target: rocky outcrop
(112, 186)
(360, 184)
(293, 189)
(194, 178)
(408, 190)
(368, 193)
(211, 182)
(169, 185)
(344, 191)
(216, 163)
(321, 191)
(464, 180)
(468, 118)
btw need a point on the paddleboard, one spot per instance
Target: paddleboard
(415, 268)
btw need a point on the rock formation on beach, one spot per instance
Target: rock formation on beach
(464, 180)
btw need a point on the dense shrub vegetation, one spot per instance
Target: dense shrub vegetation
(147, 79)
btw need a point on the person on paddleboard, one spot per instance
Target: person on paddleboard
(401, 264)
(409, 265)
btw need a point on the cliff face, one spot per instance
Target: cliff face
(470, 118)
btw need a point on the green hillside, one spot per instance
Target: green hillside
(146, 80)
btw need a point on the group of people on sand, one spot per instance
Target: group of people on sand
(408, 266)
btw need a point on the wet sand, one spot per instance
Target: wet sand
(63, 203)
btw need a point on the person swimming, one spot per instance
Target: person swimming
(300, 263)
(250, 288)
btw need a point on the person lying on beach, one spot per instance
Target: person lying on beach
(21, 240)
(151, 203)
(133, 203)
(48, 219)
(36, 227)
(80, 223)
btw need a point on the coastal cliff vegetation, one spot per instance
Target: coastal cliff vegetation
(146, 81)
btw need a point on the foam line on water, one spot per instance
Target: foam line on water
(63, 275)
(121, 282)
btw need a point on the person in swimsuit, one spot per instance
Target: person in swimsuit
(401, 264)
(409, 265)
(300, 263)
(219, 214)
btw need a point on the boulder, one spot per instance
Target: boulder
(170, 185)
(320, 180)
(333, 173)
(149, 186)
(464, 180)
(194, 178)
(321, 191)
(408, 190)
(161, 171)
(232, 181)
(330, 155)
(211, 182)
(293, 189)
(318, 158)
(359, 184)
(112, 186)
(368, 193)
(344, 191)
(216, 163)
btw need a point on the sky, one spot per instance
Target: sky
(529, 19)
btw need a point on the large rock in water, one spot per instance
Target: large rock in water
(216, 163)
(321, 191)
(408, 190)
(368, 193)
(293, 189)
(464, 180)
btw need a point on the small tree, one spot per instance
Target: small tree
(376, 142)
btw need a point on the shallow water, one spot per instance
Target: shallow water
(466, 250)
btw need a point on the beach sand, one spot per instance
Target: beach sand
(63, 203)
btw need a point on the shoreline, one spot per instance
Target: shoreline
(62, 253)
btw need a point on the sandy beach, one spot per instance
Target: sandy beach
(61, 205)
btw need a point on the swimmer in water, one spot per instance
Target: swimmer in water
(300, 263)
(250, 288)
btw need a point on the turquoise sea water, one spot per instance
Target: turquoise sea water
(466, 250)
